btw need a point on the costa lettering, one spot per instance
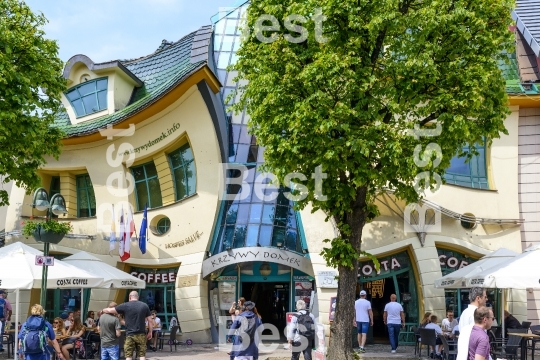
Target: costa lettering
(155, 278)
(368, 269)
(129, 283)
(452, 262)
(63, 282)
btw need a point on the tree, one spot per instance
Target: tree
(350, 98)
(31, 84)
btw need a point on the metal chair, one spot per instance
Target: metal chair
(535, 329)
(414, 329)
(171, 338)
(526, 324)
(510, 350)
(427, 337)
(448, 354)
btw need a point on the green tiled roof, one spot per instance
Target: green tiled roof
(510, 70)
(160, 72)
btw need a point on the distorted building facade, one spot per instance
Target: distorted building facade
(155, 131)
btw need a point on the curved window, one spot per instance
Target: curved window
(471, 174)
(86, 200)
(147, 188)
(88, 97)
(183, 170)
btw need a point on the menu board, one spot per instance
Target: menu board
(227, 294)
(302, 291)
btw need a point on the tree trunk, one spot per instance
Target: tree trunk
(342, 328)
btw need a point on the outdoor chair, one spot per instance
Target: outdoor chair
(526, 324)
(535, 329)
(171, 337)
(427, 337)
(510, 350)
(448, 354)
(8, 339)
(414, 329)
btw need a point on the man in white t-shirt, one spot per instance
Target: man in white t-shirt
(364, 318)
(449, 323)
(478, 297)
(438, 343)
(394, 319)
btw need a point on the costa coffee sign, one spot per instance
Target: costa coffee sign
(452, 262)
(155, 278)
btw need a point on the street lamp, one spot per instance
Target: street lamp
(56, 206)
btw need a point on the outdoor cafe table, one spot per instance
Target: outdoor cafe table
(524, 343)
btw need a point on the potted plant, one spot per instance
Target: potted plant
(50, 231)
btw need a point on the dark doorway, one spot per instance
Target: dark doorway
(271, 300)
(380, 296)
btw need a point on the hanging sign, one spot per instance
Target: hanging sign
(227, 278)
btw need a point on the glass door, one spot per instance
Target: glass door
(161, 299)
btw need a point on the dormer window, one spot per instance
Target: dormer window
(88, 97)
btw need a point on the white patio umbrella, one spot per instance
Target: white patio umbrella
(458, 279)
(112, 277)
(21, 272)
(519, 272)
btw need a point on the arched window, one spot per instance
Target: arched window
(147, 187)
(471, 174)
(88, 97)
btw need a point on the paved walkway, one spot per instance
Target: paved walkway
(211, 352)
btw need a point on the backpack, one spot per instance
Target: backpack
(2, 307)
(306, 325)
(34, 336)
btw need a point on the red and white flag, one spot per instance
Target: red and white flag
(129, 229)
(121, 240)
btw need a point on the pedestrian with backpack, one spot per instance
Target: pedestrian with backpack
(247, 330)
(35, 336)
(301, 332)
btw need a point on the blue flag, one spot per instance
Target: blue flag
(142, 233)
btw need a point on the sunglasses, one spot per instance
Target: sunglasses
(56, 322)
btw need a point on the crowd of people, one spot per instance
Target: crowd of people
(246, 329)
(39, 339)
(472, 325)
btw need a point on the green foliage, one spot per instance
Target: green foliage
(348, 104)
(49, 225)
(342, 253)
(31, 84)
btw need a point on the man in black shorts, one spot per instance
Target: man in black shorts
(136, 313)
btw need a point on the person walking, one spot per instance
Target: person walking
(301, 332)
(135, 313)
(478, 348)
(36, 335)
(394, 319)
(246, 343)
(5, 315)
(364, 318)
(109, 331)
(478, 298)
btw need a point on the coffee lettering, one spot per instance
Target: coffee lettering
(367, 270)
(442, 261)
(463, 264)
(385, 264)
(172, 277)
(452, 262)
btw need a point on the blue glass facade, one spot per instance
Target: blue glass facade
(248, 220)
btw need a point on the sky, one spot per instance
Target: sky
(121, 29)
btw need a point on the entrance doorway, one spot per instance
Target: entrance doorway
(271, 300)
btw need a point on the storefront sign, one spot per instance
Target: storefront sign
(155, 278)
(303, 278)
(452, 262)
(386, 265)
(227, 278)
(249, 254)
(197, 235)
(72, 282)
(327, 279)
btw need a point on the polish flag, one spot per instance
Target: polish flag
(121, 240)
(129, 229)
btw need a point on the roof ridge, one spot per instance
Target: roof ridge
(132, 61)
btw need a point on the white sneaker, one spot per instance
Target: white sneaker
(393, 351)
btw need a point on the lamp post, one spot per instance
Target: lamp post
(56, 206)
